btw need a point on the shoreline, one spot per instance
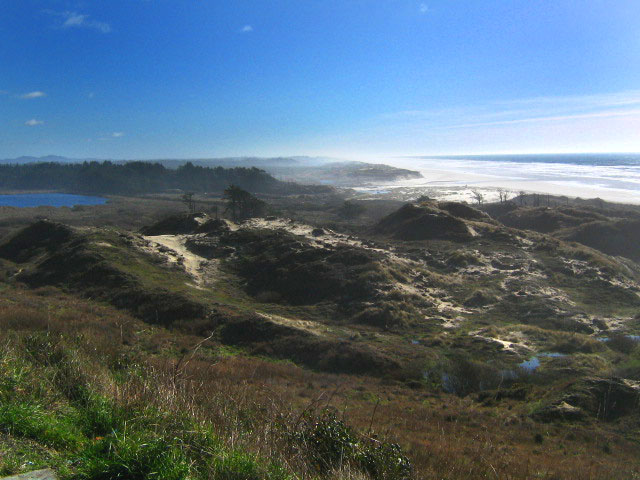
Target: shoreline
(458, 179)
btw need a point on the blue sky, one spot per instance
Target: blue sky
(348, 78)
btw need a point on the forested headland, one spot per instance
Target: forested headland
(142, 177)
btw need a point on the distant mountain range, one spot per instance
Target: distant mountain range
(175, 162)
(45, 159)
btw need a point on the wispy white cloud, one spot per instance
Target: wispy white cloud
(91, 95)
(117, 134)
(524, 110)
(246, 29)
(555, 118)
(71, 19)
(36, 94)
(596, 122)
(33, 122)
(424, 8)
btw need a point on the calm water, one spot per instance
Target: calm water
(49, 200)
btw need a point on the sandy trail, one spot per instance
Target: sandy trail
(314, 328)
(192, 263)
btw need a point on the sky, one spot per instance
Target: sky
(357, 79)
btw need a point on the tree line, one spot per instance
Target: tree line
(141, 177)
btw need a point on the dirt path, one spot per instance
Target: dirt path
(192, 263)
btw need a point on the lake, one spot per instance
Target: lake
(49, 200)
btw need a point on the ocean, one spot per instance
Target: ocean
(611, 177)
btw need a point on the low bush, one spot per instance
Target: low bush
(387, 315)
(330, 444)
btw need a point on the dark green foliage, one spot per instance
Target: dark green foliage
(139, 177)
(280, 341)
(302, 274)
(461, 258)
(73, 264)
(462, 375)
(383, 460)
(100, 417)
(241, 204)
(351, 210)
(331, 444)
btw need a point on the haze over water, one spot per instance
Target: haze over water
(612, 177)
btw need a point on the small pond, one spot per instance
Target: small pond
(635, 338)
(49, 200)
(533, 363)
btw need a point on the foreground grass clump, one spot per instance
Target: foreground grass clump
(101, 419)
(135, 456)
(30, 420)
(49, 397)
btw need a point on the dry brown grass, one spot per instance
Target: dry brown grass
(253, 402)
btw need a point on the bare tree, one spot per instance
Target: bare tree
(503, 195)
(536, 200)
(521, 195)
(478, 197)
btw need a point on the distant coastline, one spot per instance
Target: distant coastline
(603, 159)
(611, 177)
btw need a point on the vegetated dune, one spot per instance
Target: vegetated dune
(613, 237)
(467, 324)
(542, 219)
(117, 268)
(334, 301)
(424, 222)
(611, 231)
(54, 254)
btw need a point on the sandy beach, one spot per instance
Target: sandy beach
(457, 179)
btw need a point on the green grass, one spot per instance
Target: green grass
(134, 456)
(31, 420)
(59, 409)
(238, 465)
(98, 437)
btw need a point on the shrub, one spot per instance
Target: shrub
(329, 442)
(461, 258)
(463, 376)
(332, 445)
(384, 460)
(386, 315)
(622, 343)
